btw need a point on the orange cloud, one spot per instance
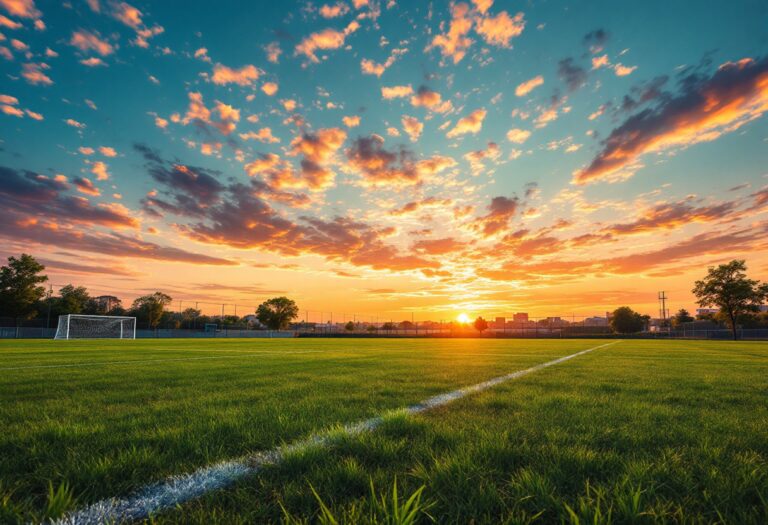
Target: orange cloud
(99, 169)
(127, 14)
(477, 158)
(455, 42)
(517, 135)
(380, 166)
(734, 95)
(369, 67)
(21, 8)
(351, 121)
(502, 28)
(84, 185)
(622, 70)
(415, 206)
(412, 127)
(318, 150)
(432, 100)
(199, 114)
(93, 62)
(472, 123)
(334, 11)
(601, 61)
(270, 88)
(500, 211)
(389, 93)
(263, 135)
(11, 110)
(87, 41)
(245, 76)
(668, 216)
(7, 22)
(438, 246)
(324, 40)
(482, 5)
(273, 52)
(75, 124)
(33, 74)
(529, 85)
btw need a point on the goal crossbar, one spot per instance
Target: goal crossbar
(79, 326)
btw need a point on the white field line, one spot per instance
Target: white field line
(179, 489)
(163, 360)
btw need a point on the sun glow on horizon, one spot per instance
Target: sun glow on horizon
(463, 318)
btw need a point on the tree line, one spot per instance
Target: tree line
(23, 296)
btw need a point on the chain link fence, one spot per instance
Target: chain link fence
(498, 327)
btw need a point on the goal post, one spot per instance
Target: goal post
(76, 326)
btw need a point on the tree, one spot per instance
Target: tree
(150, 308)
(625, 320)
(277, 313)
(682, 316)
(19, 287)
(189, 316)
(349, 327)
(108, 305)
(728, 288)
(480, 324)
(72, 300)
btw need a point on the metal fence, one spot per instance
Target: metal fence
(37, 329)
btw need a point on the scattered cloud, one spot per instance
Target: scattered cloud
(472, 123)
(529, 85)
(705, 109)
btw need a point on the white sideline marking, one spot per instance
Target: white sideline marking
(179, 489)
(162, 360)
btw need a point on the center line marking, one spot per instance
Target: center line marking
(182, 488)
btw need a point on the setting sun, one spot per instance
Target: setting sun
(463, 318)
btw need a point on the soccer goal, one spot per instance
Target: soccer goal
(74, 326)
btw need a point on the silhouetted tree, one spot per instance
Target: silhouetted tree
(20, 292)
(150, 308)
(728, 288)
(73, 300)
(625, 320)
(682, 316)
(480, 324)
(277, 313)
(349, 327)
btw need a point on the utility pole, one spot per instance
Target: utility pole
(50, 298)
(663, 308)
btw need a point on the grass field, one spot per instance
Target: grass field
(637, 432)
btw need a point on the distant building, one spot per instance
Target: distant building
(707, 311)
(520, 317)
(499, 322)
(596, 321)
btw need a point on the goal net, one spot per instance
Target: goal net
(95, 327)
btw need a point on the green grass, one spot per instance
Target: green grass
(643, 431)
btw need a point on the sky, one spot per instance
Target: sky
(387, 158)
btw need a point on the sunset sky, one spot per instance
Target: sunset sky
(386, 157)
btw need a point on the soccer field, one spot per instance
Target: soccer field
(636, 431)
